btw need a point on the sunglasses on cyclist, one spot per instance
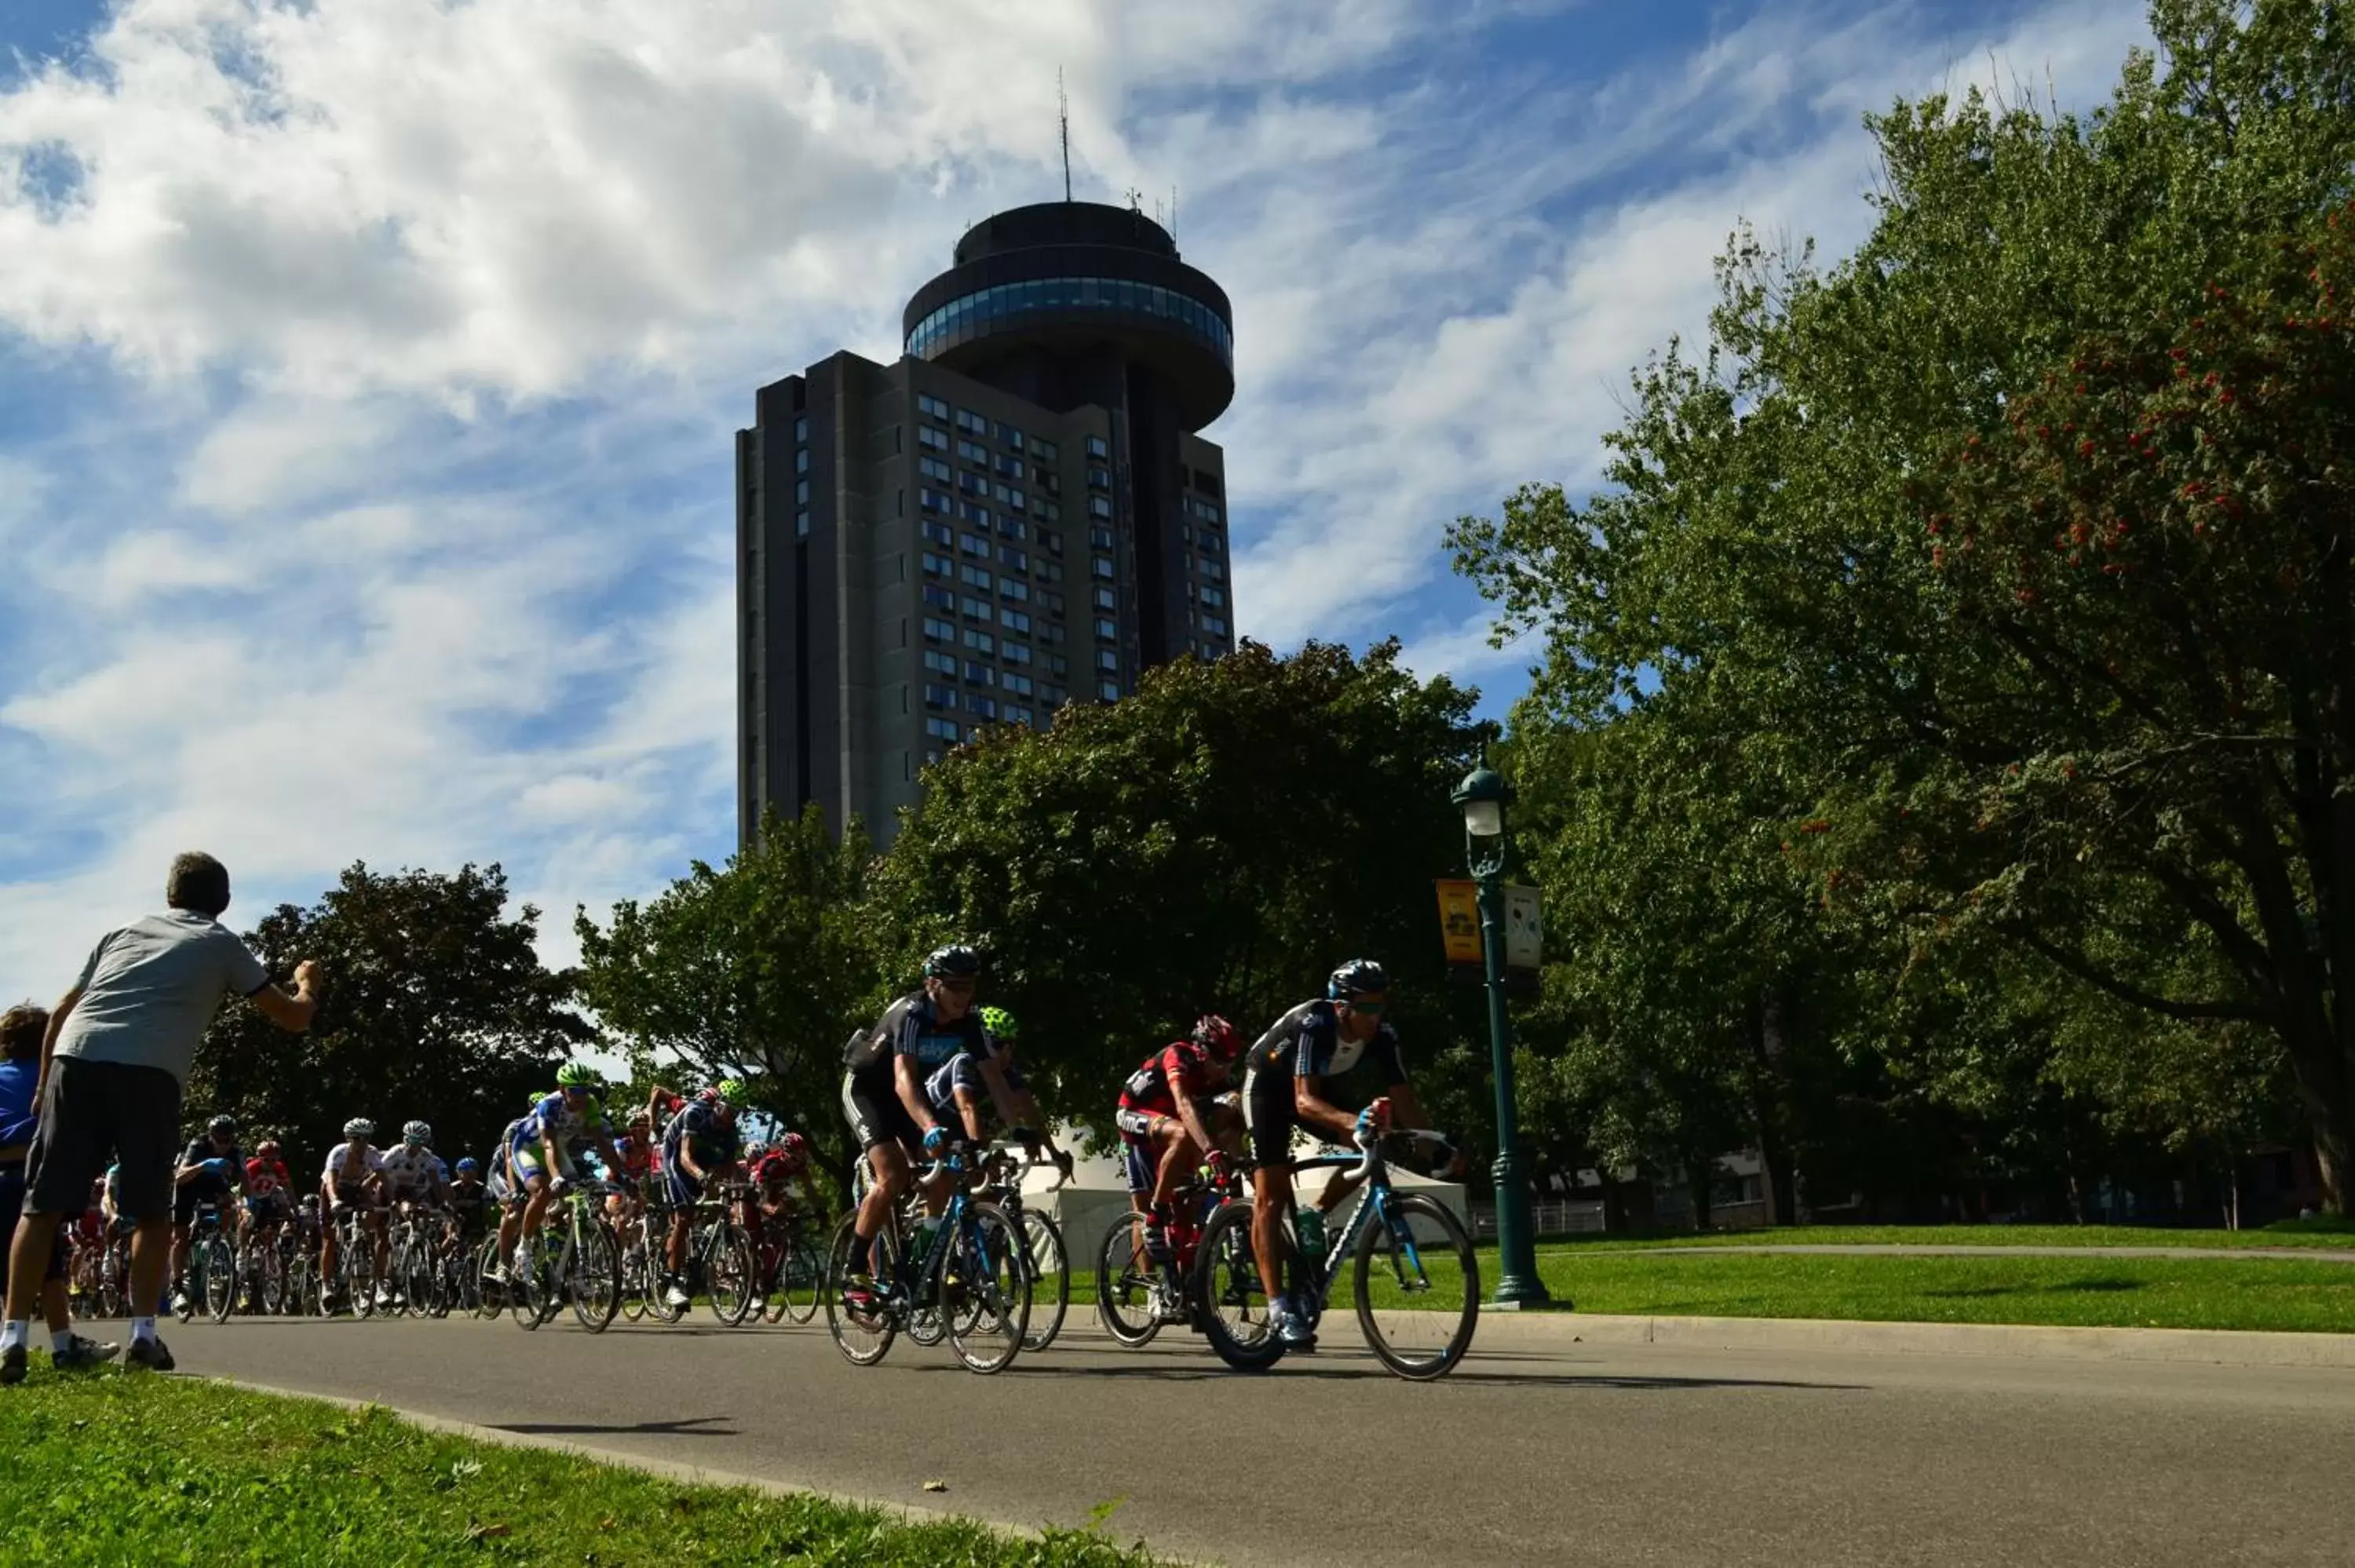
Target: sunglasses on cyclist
(1371, 1009)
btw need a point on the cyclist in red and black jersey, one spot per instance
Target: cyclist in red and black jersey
(1164, 1124)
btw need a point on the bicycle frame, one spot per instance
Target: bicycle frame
(1374, 1203)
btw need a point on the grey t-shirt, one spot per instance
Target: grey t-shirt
(148, 991)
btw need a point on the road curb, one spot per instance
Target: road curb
(2221, 1347)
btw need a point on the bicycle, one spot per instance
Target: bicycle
(1395, 1229)
(1042, 1238)
(585, 1267)
(355, 1262)
(792, 1270)
(1135, 1296)
(972, 1274)
(416, 1268)
(719, 1257)
(114, 1271)
(207, 1270)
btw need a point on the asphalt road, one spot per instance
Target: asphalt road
(1539, 1451)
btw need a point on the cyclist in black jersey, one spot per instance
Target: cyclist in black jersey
(883, 1082)
(1283, 1087)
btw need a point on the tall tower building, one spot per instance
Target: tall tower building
(1016, 515)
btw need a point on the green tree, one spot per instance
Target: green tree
(2029, 526)
(1217, 842)
(758, 969)
(436, 1006)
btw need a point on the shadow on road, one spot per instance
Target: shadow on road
(685, 1426)
(1480, 1373)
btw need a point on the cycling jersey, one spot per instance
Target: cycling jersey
(910, 1027)
(211, 1183)
(1306, 1042)
(1182, 1067)
(556, 1117)
(697, 1128)
(350, 1165)
(409, 1173)
(637, 1156)
(775, 1169)
(264, 1177)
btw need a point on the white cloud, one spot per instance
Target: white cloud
(400, 528)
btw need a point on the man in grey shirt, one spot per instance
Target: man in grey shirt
(112, 1067)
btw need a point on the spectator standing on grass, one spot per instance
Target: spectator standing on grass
(21, 1031)
(113, 1059)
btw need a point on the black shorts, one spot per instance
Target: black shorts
(876, 1115)
(185, 1200)
(12, 1208)
(1269, 1116)
(94, 1110)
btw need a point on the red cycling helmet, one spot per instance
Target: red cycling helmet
(1218, 1036)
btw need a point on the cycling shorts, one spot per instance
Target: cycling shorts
(1137, 1157)
(530, 1161)
(264, 1208)
(873, 1108)
(1269, 1118)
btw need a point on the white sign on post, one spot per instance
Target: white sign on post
(1524, 928)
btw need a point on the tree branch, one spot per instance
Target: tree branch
(2134, 995)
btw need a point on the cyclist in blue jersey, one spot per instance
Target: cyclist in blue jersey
(1284, 1078)
(540, 1157)
(701, 1144)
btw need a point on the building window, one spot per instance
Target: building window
(1107, 661)
(801, 524)
(1099, 537)
(1099, 506)
(1058, 665)
(939, 534)
(1016, 714)
(1012, 592)
(1013, 498)
(987, 707)
(1053, 542)
(973, 513)
(975, 608)
(1048, 480)
(939, 630)
(1048, 512)
(973, 484)
(1212, 650)
(801, 492)
(1053, 602)
(936, 566)
(1215, 625)
(1054, 634)
(1102, 568)
(1213, 572)
(939, 697)
(1008, 555)
(1018, 684)
(939, 663)
(1108, 690)
(1010, 436)
(1051, 696)
(974, 453)
(1216, 599)
(1013, 620)
(1043, 452)
(801, 427)
(1107, 629)
(801, 460)
(974, 544)
(932, 500)
(1049, 572)
(980, 642)
(1098, 479)
(1096, 448)
(940, 729)
(966, 420)
(977, 675)
(1009, 466)
(927, 404)
(933, 468)
(933, 436)
(1017, 652)
(1011, 528)
(1104, 598)
(973, 576)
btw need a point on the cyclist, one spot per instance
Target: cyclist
(785, 1165)
(955, 1089)
(1284, 1079)
(210, 1168)
(541, 1154)
(636, 1147)
(469, 1200)
(412, 1182)
(701, 1144)
(883, 1092)
(268, 1193)
(353, 1179)
(1167, 1125)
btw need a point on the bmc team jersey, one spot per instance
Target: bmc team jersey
(409, 1173)
(910, 1028)
(1307, 1043)
(1181, 1068)
(349, 1164)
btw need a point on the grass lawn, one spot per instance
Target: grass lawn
(112, 1468)
(2290, 1235)
(2166, 1293)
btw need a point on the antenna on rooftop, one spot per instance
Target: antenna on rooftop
(1173, 210)
(1136, 200)
(1063, 115)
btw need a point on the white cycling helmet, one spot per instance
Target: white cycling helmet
(417, 1132)
(359, 1126)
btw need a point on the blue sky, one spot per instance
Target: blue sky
(367, 367)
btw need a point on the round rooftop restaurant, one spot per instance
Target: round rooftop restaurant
(1074, 279)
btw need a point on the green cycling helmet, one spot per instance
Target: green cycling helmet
(576, 1075)
(732, 1092)
(999, 1021)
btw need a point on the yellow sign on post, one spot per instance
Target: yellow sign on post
(1459, 919)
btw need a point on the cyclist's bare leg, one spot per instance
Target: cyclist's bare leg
(1179, 1154)
(1270, 1198)
(893, 1176)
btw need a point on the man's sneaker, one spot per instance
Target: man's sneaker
(1157, 1244)
(674, 1296)
(181, 1305)
(81, 1352)
(1290, 1326)
(148, 1353)
(12, 1366)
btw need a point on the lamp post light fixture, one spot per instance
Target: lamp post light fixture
(1483, 796)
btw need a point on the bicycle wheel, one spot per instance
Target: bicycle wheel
(801, 1279)
(595, 1278)
(490, 1300)
(1227, 1289)
(731, 1275)
(216, 1277)
(414, 1278)
(1124, 1281)
(985, 1289)
(636, 1277)
(863, 1327)
(1050, 1278)
(1417, 1287)
(527, 1288)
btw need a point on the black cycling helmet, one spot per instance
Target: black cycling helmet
(1359, 977)
(222, 1126)
(956, 961)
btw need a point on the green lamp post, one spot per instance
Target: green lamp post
(1484, 795)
